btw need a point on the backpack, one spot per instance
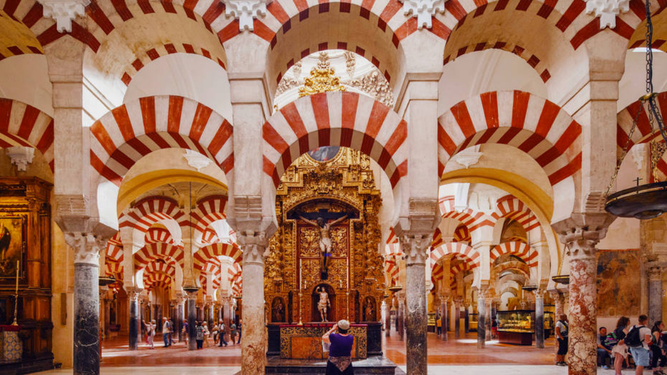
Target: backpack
(567, 328)
(632, 339)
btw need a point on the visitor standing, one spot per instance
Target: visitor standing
(658, 354)
(150, 333)
(240, 329)
(620, 351)
(221, 334)
(604, 349)
(438, 326)
(185, 332)
(232, 329)
(562, 329)
(165, 331)
(206, 334)
(200, 336)
(639, 340)
(340, 360)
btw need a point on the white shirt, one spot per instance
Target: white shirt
(643, 332)
(563, 328)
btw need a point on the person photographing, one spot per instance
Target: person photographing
(340, 360)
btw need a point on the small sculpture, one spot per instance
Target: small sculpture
(325, 240)
(323, 304)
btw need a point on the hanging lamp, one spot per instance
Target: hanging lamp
(645, 201)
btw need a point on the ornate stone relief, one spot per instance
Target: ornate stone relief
(86, 247)
(468, 156)
(423, 10)
(375, 85)
(607, 10)
(64, 12)
(245, 11)
(196, 160)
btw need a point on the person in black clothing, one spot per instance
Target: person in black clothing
(658, 359)
(604, 349)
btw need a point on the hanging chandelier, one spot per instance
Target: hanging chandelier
(645, 201)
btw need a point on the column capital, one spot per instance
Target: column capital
(415, 247)
(401, 296)
(539, 293)
(255, 246)
(87, 247)
(654, 271)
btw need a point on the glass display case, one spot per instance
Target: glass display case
(472, 322)
(516, 327)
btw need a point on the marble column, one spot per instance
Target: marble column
(400, 315)
(86, 302)
(180, 314)
(253, 345)
(211, 315)
(487, 318)
(387, 317)
(192, 317)
(226, 310)
(457, 319)
(539, 319)
(582, 359)
(415, 247)
(654, 294)
(481, 319)
(134, 320)
(444, 318)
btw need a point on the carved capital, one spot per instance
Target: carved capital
(245, 11)
(607, 10)
(654, 271)
(539, 293)
(415, 247)
(580, 244)
(255, 247)
(87, 247)
(64, 12)
(423, 10)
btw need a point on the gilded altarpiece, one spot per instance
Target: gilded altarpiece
(342, 186)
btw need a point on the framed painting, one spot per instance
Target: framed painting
(12, 246)
(619, 282)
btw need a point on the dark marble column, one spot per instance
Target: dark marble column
(539, 319)
(466, 319)
(654, 294)
(192, 317)
(444, 318)
(180, 313)
(400, 315)
(481, 319)
(387, 318)
(135, 319)
(457, 319)
(487, 318)
(415, 248)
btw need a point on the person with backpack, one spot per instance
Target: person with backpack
(658, 359)
(221, 333)
(165, 332)
(150, 334)
(620, 350)
(562, 328)
(638, 340)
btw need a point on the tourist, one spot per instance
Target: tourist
(620, 351)
(200, 336)
(150, 333)
(438, 326)
(240, 326)
(561, 337)
(171, 331)
(638, 340)
(340, 360)
(165, 332)
(207, 333)
(185, 332)
(658, 354)
(221, 334)
(215, 332)
(233, 333)
(604, 349)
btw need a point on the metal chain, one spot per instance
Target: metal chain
(626, 148)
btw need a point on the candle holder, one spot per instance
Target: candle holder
(16, 305)
(300, 308)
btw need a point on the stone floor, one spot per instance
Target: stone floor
(454, 357)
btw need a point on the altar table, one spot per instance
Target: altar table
(305, 341)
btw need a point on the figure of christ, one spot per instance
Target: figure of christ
(325, 240)
(323, 303)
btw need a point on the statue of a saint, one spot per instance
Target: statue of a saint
(323, 303)
(325, 240)
(370, 310)
(278, 311)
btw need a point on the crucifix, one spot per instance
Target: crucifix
(325, 240)
(637, 180)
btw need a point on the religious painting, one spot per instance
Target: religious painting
(619, 282)
(278, 310)
(324, 153)
(12, 243)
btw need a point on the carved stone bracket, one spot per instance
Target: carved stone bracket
(245, 11)
(607, 10)
(64, 12)
(21, 157)
(423, 10)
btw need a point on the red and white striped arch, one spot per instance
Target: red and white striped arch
(237, 289)
(532, 124)
(437, 238)
(113, 268)
(462, 234)
(27, 126)
(27, 21)
(206, 253)
(208, 210)
(158, 250)
(151, 210)
(468, 217)
(127, 133)
(391, 269)
(336, 119)
(157, 280)
(518, 249)
(209, 237)
(166, 266)
(464, 251)
(511, 207)
(642, 133)
(203, 281)
(114, 250)
(154, 235)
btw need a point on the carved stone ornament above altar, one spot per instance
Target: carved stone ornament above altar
(245, 11)
(423, 10)
(64, 12)
(607, 10)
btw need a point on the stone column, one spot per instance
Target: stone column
(253, 345)
(444, 318)
(226, 310)
(654, 293)
(211, 315)
(86, 301)
(457, 318)
(559, 309)
(583, 298)
(539, 318)
(415, 247)
(487, 318)
(400, 315)
(481, 319)
(387, 317)
(180, 314)
(192, 317)
(135, 318)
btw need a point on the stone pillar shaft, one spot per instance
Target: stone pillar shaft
(253, 345)
(444, 319)
(180, 313)
(539, 319)
(654, 295)
(487, 319)
(192, 317)
(481, 321)
(457, 320)
(134, 320)
(415, 247)
(400, 316)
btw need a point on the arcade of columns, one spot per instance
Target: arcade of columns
(563, 136)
